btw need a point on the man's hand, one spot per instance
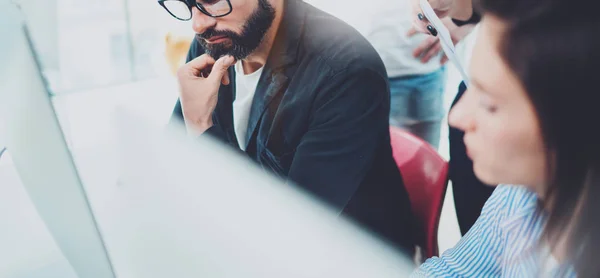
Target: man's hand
(432, 45)
(199, 83)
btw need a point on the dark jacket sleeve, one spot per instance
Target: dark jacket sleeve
(348, 120)
(177, 115)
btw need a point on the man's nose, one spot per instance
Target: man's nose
(201, 22)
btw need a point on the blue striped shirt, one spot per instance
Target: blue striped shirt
(504, 242)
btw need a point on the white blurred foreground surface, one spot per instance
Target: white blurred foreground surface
(192, 208)
(182, 208)
(40, 153)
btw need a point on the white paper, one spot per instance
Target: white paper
(445, 38)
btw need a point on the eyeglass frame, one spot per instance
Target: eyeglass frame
(190, 5)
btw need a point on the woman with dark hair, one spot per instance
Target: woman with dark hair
(529, 117)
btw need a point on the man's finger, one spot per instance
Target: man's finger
(220, 68)
(199, 64)
(225, 80)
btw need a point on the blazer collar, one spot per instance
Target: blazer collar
(283, 55)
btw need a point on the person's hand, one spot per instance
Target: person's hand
(441, 8)
(431, 46)
(199, 83)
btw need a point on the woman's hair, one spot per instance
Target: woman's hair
(551, 46)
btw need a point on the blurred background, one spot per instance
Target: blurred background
(97, 56)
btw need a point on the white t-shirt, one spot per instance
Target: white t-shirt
(245, 87)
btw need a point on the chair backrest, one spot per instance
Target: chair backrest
(425, 175)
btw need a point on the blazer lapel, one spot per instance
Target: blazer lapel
(225, 112)
(269, 86)
(283, 54)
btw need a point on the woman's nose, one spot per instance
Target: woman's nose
(461, 115)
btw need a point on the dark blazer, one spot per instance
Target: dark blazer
(320, 119)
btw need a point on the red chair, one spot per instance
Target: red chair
(425, 175)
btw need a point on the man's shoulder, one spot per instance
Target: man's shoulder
(336, 44)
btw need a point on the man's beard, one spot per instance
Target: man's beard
(241, 45)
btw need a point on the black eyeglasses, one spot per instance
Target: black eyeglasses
(182, 9)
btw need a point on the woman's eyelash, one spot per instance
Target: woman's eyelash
(487, 106)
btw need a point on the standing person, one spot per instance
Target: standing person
(470, 194)
(416, 75)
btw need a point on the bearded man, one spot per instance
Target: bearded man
(302, 94)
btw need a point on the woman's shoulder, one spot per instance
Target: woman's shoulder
(480, 252)
(509, 200)
(513, 194)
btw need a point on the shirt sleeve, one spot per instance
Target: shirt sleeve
(477, 253)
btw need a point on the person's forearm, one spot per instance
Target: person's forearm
(462, 10)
